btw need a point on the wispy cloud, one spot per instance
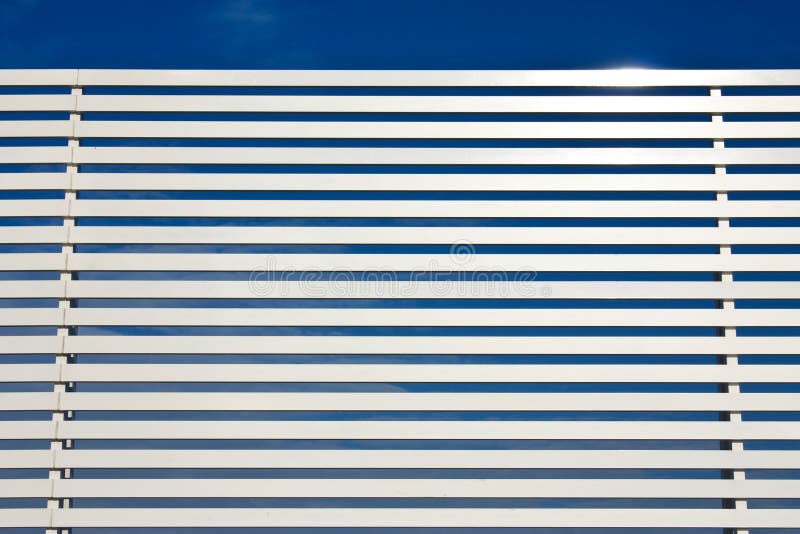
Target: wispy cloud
(250, 12)
(13, 10)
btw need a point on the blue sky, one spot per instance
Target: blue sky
(398, 34)
(423, 34)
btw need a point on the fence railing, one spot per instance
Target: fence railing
(434, 299)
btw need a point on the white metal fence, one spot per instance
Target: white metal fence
(441, 298)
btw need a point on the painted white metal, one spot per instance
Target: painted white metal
(408, 130)
(416, 459)
(418, 517)
(409, 156)
(429, 78)
(419, 104)
(398, 235)
(259, 263)
(401, 317)
(518, 373)
(357, 287)
(520, 345)
(170, 343)
(415, 208)
(420, 182)
(676, 402)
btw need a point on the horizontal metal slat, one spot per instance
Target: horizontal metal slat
(37, 102)
(434, 182)
(476, 317)
(406, 156)
(34, 181)
(431, 262)
(413, 130)
(33, 234)
(424, 235)
(36, 154)
(32, 289)
(34, 208)
(26, 459)
(30, 345)
(425, 104)
(36, 261)
(417, 208)
(363, 287)
(21, 372)
(25, 518)
(422, 430)
(35, 128)
(420, 517)
(450, 402)
(22, 77)
(413, 345)
(410, 488)
(434, 78)
(426, 373)
(406, 459)
(31, 316)
(43, 430)
(29, 401)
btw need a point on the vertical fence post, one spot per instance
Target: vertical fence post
(728, 331)
(64, 330)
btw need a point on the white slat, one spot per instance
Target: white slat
(424, 104)
(25, 518)
(31, 289)
(423, 430)
(44, 430)
(36, 261)
(26, 459)
(22, 77)
(30, 345)
(31, 316)
(404, 488)
(430, 262)
(33, 208)
(468, 402)
(37, 154)
(422, 208)
(33, 234)
(29, 401)
(40, 128)
(33, 180)
(476, 317)
(20, 372)
(276, 373)
(409, 156)
(435, 182)
(415, 345)
(419, 517)
(407, 459)
(417, 130)
(432, 78)
(431, 235)
(363, 287)
(37, 102)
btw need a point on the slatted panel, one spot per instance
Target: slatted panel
(485, 299)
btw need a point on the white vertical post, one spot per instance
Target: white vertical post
(728, 304)
(64, 303)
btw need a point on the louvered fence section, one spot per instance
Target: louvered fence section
(400, 300)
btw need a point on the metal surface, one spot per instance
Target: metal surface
(601, 288)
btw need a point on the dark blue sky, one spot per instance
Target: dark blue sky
(399, 34)
(423, 34)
